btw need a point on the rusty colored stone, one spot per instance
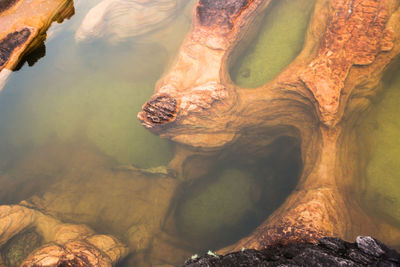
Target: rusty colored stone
(161, 109)
(23, 24)
(355, 35)
(316, 99)
(220, 12)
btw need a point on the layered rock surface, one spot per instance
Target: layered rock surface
(366, 251)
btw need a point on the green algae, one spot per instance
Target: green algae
(279, 41)
(382, 193)
(20, 246)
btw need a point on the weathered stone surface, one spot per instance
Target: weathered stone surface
(68, 244)
(162, 109)
(23, 24)
(334, 244)
(349, 43)
(369, 246)
(220, 12)
(355, 35)
(11, 42)
(303, 254)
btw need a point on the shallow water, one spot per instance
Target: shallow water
(382, 185)
(279, 41)
(70, 142)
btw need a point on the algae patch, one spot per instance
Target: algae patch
(279, 41)
(20, 246)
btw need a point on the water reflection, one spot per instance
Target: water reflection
(32, 57)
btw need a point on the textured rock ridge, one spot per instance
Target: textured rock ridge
(329, 251)
(11, 42)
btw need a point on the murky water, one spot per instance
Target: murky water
(381, 130)
(71, 145)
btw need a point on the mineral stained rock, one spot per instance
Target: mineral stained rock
(329, 251)
(317, 99)
(23, 25)
(11, 42)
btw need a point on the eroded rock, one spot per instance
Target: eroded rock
(68, 244)
(11, 42)
(349, 43)
(22, 29)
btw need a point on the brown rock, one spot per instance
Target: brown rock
(23, 25)
(316, 100)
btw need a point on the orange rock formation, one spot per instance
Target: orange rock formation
(317, 99)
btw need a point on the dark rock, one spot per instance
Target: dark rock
(334, 244)
(358, 257)
(161, 109)
(368, 245)
(11, 42)
(220, 12)
(328, 252)
(6, 4)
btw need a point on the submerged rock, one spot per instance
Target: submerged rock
(328, 252)
(120, 19)
(20, 246)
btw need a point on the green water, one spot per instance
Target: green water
(87, 92)
(382, 191)
(277, 44)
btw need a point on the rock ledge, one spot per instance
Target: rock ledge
(329, 251)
